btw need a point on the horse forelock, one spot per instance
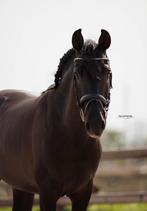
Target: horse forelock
(89, 48)
(89, 44)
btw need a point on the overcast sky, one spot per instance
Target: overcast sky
(34, 35)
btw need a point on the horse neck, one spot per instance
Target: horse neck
(68, 110)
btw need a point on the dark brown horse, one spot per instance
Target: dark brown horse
(50, 144)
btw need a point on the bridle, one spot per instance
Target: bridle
(90, 98)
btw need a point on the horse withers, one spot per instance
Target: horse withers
(50, 144)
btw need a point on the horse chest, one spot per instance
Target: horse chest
(75, 170)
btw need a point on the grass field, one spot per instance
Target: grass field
(120, 207)
(115, 207)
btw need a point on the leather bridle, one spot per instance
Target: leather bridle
(89, 98)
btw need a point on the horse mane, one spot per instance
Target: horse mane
(63, 61)
(88, 49)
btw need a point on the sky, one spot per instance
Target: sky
(35, 34)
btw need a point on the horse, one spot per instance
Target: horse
(50, 144)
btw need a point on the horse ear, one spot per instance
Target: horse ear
(77, 40)
(104, 40)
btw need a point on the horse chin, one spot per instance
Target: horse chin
(94, 137)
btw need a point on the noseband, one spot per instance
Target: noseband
(90, 98)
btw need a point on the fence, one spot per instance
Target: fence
(109, 198)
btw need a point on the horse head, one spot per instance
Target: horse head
(93, 80)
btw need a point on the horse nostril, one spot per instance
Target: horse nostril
(87, 126)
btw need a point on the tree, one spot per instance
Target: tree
(113, 139)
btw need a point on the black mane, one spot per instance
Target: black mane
(58, 75)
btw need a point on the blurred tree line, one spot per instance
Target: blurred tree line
(114, 139)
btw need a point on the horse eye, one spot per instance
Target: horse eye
(99, 70)
(81, 69)
(107, 68)
(98, 78)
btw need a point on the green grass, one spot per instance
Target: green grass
(116, 207)
(120, 207)
(4, 209)
(103, 207)
(9, 209)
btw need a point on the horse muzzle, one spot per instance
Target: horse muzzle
(93, 113)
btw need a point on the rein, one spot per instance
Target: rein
(90, 98)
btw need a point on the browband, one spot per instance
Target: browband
(94, 59)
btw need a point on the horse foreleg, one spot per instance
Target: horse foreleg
(48, 200)
(22, 201)
(81, 199)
